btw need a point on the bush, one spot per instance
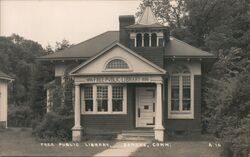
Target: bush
(54, 127)
(20, 116)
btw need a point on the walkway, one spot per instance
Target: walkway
(123, 148)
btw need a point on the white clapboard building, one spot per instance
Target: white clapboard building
(4, 80)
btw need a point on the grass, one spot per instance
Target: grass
(20, 142)
(202, 146)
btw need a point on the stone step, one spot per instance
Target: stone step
(138, 131)
(140, 135)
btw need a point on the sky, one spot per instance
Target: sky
(50, 21)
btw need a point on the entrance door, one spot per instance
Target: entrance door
(145, 107)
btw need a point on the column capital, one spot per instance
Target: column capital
(77, 83)
(159, 82)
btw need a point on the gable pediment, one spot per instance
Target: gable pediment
(123, 61)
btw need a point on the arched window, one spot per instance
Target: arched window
(146, 40)
(117, 64)
(138, 40)
(153, 40)
(180, 89)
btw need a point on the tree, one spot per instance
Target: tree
(223, 28)
(18, 59)
(170, 12)
(62, 45)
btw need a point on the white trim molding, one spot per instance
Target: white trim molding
(181, 114)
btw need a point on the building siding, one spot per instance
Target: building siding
(153, 54)
(104, 124)
(113, 123)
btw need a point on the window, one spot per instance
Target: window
(138, 40)
(117, 64)
(180, 97)
(175, 89)
(88, 99)
(186, 93)
(117, 98)
(104, 99)
(153, 40)
(146, 40)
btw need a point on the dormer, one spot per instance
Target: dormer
(147, 31)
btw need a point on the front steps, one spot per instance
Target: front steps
(136, 135)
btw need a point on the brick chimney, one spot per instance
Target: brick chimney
(125, 20)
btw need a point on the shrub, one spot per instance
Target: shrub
(54, 127)
(19, 116)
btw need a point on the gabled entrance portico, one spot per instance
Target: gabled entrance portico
(101, 89)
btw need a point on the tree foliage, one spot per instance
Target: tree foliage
(223, 28)
(57, 124)
(27, 95)
(18, 59)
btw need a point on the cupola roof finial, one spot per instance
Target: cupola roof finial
(148, 3)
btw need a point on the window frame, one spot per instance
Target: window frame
(181, 114)
(110, 99)
(83, 96)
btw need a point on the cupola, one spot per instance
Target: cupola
(147, 31)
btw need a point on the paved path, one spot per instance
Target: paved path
(123, 148)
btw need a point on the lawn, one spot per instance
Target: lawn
(20, 142)
(202, 146)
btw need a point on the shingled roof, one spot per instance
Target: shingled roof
(85, 49)
(178, 48)
(89, 48)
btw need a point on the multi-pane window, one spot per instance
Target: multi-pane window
(88, 98)
(117, 64)
(102, 98)
(117, 98)
(180, 90)
(175, 93)
(186, 93)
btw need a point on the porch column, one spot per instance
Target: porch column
(77, 129)
(159, 129)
